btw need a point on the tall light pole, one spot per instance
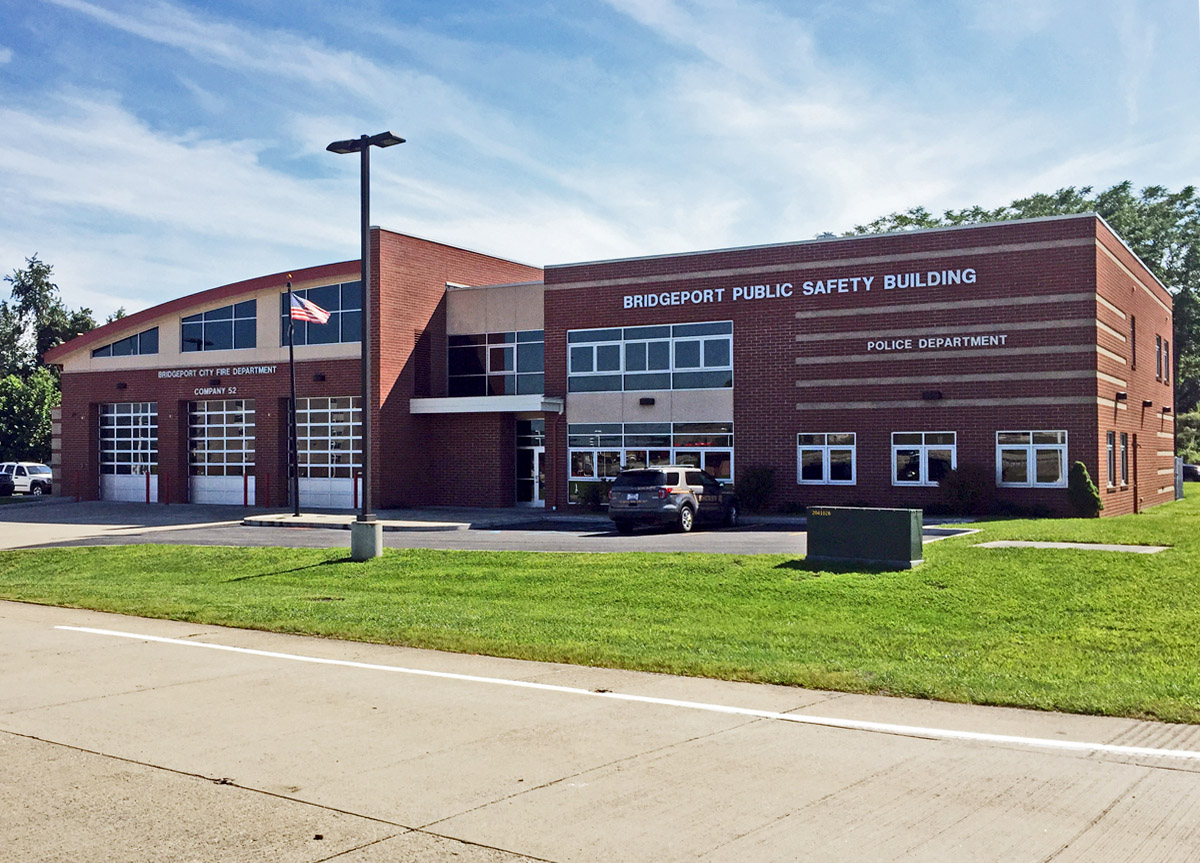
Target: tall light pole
(366, 536)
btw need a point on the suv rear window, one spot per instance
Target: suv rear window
(640, 478)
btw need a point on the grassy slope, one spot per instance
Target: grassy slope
(1067, 630)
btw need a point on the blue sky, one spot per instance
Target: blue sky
(153, 149)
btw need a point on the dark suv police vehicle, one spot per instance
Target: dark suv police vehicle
(675, 495)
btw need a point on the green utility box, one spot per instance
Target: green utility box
(888, 538)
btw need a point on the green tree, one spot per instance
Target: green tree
(32, 321)
(41, 311)
(25, 406)
(16, 356)
(1187, 437)
(1162, 227)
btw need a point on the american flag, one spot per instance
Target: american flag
(303, 310)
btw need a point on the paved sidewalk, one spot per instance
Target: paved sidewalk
(127, 739)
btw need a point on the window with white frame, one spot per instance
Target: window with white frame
(129, 438)
(1110, 451)
(1124, 458)
(329, 437)
(602, 450)
(659, 357)
(1031, 458)
(922, 458)
(496, 364)
(825, 458)
(221, 437)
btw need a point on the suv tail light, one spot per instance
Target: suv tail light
(663, 493)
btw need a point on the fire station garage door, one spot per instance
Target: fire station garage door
(221, 451)
(329, 434)
(129, 451)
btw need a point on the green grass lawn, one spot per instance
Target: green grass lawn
(1083, 631)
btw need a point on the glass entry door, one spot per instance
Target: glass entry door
(531, 463)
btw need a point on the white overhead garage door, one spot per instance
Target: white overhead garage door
(129, 451)
(221, 451)
(329, 437)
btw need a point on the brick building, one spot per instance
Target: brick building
(858, 370)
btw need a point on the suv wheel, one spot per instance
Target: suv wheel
(36, 488)
(732, 516)
(687, 519)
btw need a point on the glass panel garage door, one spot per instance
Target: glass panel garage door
(221, 451)
(329, 434)
(129, 451)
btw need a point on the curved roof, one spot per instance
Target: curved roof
(183, 305)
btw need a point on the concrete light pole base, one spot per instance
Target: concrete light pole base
(366, 540)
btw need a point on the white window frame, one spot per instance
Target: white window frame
(825, 448)
(923, 450)
(1031, 449)
(665, 340)
(129, 438)
(572, 347)
(672, 342)
(1110, 453)
(1124, 459)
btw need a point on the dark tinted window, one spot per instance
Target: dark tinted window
(636, 478)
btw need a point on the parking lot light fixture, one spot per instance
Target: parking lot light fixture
(362, 145)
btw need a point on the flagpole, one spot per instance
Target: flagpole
(295, 448)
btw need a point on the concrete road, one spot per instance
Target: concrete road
(123, 739)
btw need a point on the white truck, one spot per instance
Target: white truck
(28, 477)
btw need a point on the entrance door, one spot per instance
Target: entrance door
(531, 458)
(1137, 500)
(531, 476)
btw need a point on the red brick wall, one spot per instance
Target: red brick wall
(1043, 378)
(469, 460)
(1124, 282)
(83, 392)
(409, 289)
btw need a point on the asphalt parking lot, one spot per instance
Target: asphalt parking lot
(67, 523)
(64, 522)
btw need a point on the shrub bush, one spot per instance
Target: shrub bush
(755, 485)
(1082, 492)
(593, 495)
(969, 489)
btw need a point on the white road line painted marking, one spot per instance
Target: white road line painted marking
(803, 719)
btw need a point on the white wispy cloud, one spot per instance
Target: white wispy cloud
(722, 123)
(1137, 40)
(6, 55)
